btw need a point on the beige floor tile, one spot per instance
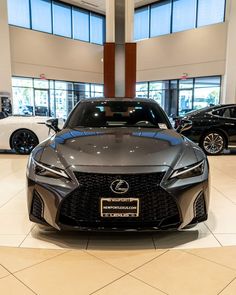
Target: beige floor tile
(15, 224)
(185, 240)
(229, 290)
(53, 239)
(11, 286)
(224, 255)
(121, 241)
(11, 240)
(3, 273)
(71, 273)
(180, 273)
(15, 259)
(127, 260)
(128, 285)
(226, 239)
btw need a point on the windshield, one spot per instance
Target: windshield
(118, 114)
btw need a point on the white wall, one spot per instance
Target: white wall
(5, 58)
(34, 53)
(198, 52)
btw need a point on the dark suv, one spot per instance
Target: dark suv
(214, 128)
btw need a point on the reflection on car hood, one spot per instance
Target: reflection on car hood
(119, 147)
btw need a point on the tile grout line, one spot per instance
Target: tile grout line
(187, 251)
(12, 274)
(13, 197)
(37, 263)
(88, 252)
(227, 198)
(153, 287)
(227, 286)
(213, 234)
(26, 236)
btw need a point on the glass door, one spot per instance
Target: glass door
(41, 102)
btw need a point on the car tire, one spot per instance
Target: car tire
(23, 141)
(213, 142)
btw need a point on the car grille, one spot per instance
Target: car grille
(37, 207)
(82, 206)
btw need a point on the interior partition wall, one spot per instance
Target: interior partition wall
(49, 97)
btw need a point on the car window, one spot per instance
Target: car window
(2, 115)
(226, 112)
(118, 114)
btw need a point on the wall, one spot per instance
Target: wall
(198, 52)
(34, 53)
(5, 58)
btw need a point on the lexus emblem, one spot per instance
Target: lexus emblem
(119, 186)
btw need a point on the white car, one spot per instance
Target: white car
(22, 134)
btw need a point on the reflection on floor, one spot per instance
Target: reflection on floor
(187, 262)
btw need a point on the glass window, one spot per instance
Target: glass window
(96, 90)
(206, 92)
(63, 98)
(81, 24)
(61, 19)
(185, 84)
(157, 92)
(142, 90)
(141, 23)
(160, 18)
(81, 90)
(210, 12)
(41, 8)
(19, 13)
(184, 15)
(96, 28)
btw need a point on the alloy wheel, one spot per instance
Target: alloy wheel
(213, 143)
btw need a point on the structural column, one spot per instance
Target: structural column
(120, 50)
(229, 93)
(5, 55)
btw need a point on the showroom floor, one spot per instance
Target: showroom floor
(200, 261)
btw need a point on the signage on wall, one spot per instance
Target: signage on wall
(184, 76)
(42, 77)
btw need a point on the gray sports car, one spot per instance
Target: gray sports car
(117, 165)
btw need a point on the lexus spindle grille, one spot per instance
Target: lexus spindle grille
(82, 206)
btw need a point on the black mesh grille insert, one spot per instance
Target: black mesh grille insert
(82, 207)
(37, 207)
(199, 209)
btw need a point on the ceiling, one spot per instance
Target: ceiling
(99, 5)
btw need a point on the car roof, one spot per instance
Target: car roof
(136, 99)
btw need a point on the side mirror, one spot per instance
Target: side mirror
(184, 125)
(53, 124)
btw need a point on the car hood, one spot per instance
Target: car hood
(119, 147)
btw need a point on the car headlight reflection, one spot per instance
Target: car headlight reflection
(189, 171)
(42, 169)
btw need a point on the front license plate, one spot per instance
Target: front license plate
(119, 207)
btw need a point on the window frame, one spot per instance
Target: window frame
(171, 17)
(72, 25)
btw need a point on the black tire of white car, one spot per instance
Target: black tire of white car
(23, 141)
(213, 142)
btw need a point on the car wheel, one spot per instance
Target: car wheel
(213, 143)
(23, 141)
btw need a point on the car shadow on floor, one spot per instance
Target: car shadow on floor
(114, 241)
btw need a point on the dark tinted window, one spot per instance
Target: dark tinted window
(118, 114)
(226, 112)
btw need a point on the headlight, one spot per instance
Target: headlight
(189, 171)
(42, 169)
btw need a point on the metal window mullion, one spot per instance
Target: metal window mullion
(193, 92)
(196, 21)
(71, 22)
(30, 14)
(171, 16)
(52, 17)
